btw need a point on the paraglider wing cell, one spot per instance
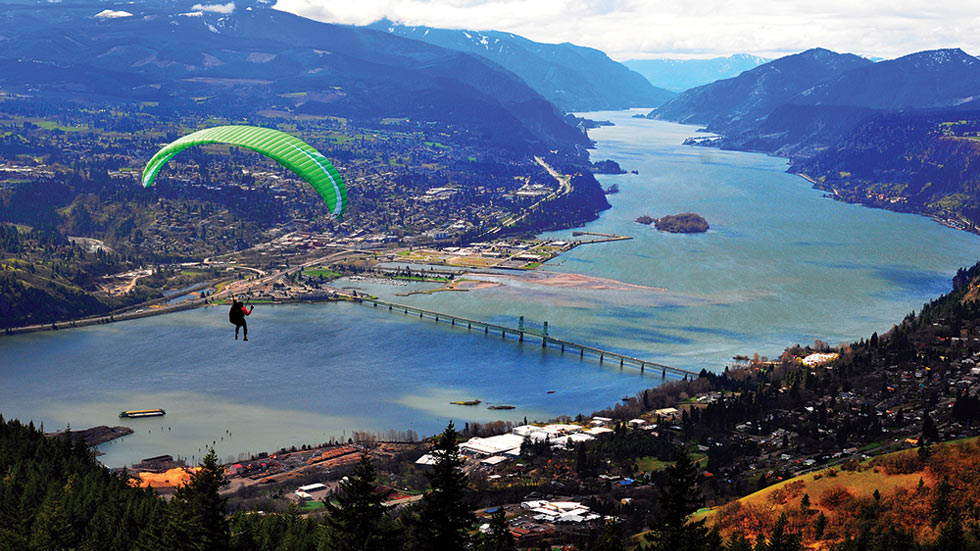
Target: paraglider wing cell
(289, 151)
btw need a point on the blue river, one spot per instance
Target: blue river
(780, 265)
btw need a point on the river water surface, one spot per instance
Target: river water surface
(780, 265)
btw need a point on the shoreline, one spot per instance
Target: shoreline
(128, 316)
(935, 218)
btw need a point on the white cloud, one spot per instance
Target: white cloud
(686, 28)
(215, 8)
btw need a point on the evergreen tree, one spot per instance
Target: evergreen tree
(779, 540)
(951, 537)
(196, 517)
(929, 431)
(499, 537)
(939, 509)
(357, 522)
(680, 499)
(444, 517)
(819, 526)
(52, 527)
(805, 504)
(611, 539)
(738, 543)
(183, 530)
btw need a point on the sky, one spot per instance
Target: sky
(631, 29)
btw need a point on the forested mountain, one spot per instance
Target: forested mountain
(678, 75)
(572, 77)
(739, 102)
(55, 495)
(919, 161)
(898, 134)
(255, 57)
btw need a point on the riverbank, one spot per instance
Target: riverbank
(521, 256)
(953, 223)
(151, 311)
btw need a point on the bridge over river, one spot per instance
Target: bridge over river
(522, 334)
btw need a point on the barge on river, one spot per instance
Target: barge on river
(142, 413)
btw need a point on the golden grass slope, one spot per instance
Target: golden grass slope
(904, 482)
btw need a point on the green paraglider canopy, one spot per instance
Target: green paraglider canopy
(290, 151)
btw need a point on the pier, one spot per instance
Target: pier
(604, 356)
(602, 237)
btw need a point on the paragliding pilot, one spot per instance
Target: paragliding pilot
(237, 316)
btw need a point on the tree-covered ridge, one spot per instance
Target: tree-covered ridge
(55, 495)
(916, 162)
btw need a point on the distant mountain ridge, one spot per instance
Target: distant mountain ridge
(678, 75)
(574, 78)
(934, 78)
(749, 97)
(902, 134)
(257, 58)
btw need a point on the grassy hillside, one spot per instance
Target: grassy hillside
(920, 491)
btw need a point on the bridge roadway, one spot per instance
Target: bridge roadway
(603, 355)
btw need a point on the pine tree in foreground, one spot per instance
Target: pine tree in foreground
(679, 499)
(196, 516)
(357, 521)
(498, 538)
(444, 517)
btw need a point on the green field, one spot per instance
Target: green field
(651, 464)
(320, 272)
(51, 125)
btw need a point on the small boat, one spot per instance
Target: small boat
(143, 413)
(465, 402)
(500, 407)
(550, 392)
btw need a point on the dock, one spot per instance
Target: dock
(602, 237)
(604, 356)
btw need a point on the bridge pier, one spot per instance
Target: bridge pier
(486, 329)
(563, 347)
(468, 326)
(453, 322)
(389, 307)
(663, 374)
(620, 362)
(601, 355)
(581, 352)
(544, 342)
(642, 365)
(375, 304)
(520, 337)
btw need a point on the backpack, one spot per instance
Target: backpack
(235, 314)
